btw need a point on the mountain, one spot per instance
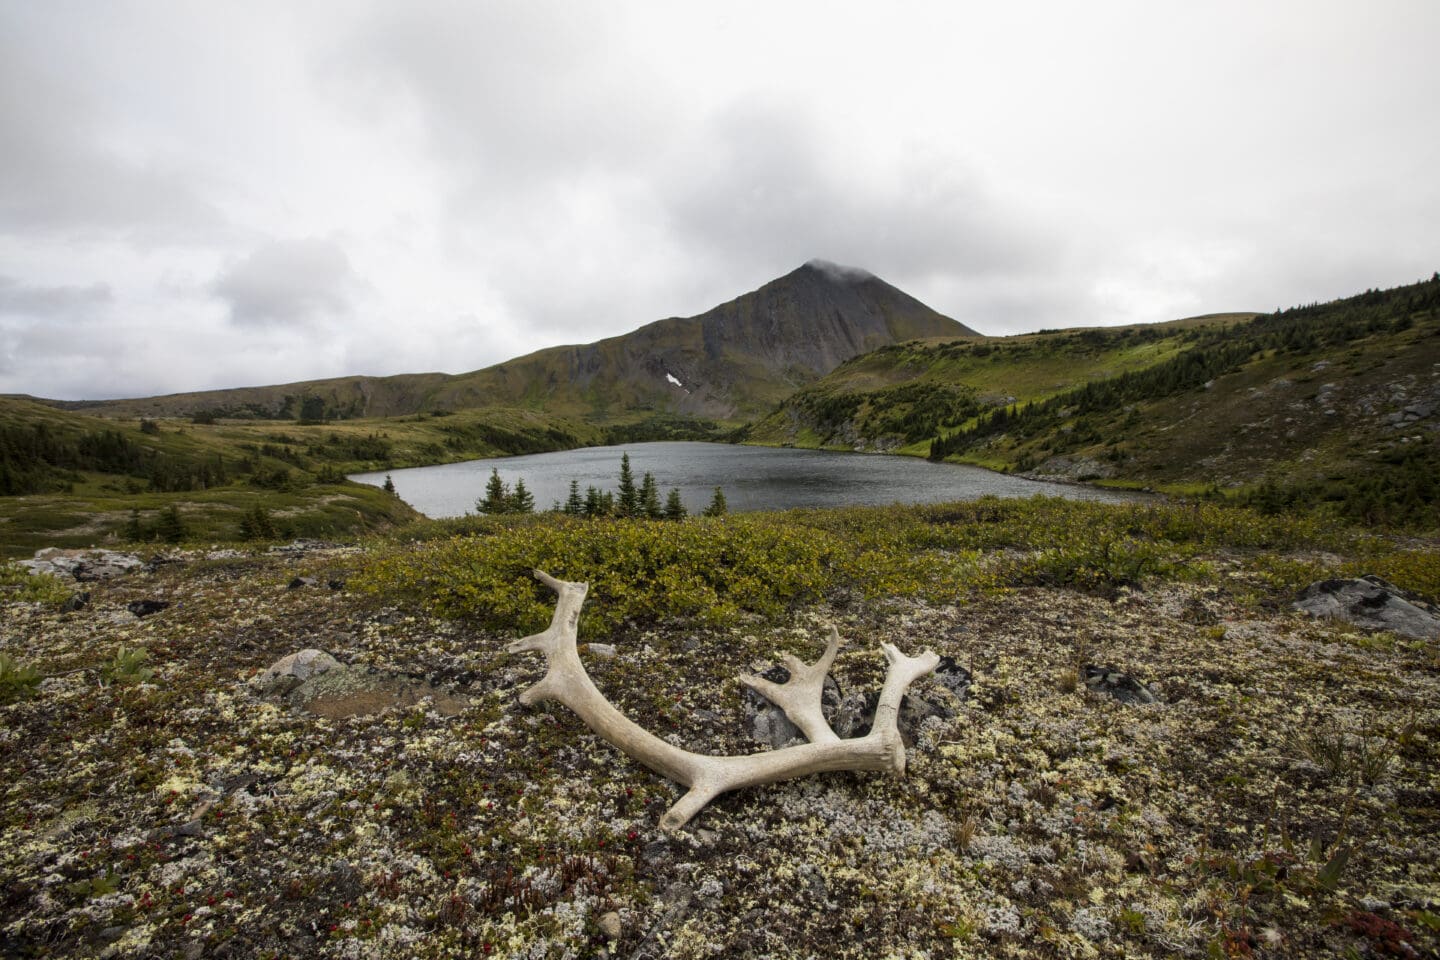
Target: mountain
(1333, 405)
(729, 363)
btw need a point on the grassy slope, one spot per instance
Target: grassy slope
(1315, 404)
(82, 507)
(1000, 370)
(1036, 820)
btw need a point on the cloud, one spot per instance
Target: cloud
(63, 169)
(288, 282)
(22, 299)
(260, 189)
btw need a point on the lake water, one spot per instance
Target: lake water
(753, 478)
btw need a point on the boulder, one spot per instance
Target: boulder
(289, 672)
(1374, 604)
(84, 565)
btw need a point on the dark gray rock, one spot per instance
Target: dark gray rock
(1121, 686)
(76, 601)
(299, 582)
(146, 608)
(1374, 604)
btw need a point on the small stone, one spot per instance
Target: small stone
(605, 651)
(609, 924)
(194, 950)
(299, 582)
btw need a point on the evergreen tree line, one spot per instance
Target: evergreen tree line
(1213, 353)
(629, 500)
(36, 459)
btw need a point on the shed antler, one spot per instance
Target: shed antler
(708, 776)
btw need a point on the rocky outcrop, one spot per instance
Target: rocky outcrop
(83, 565)
(1374, 604)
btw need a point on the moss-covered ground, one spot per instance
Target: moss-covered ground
(1281, 799)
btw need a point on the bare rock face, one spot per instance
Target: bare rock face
(1374, 604)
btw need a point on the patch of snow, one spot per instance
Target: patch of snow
(671, 377)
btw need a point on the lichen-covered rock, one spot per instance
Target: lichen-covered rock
(1372, 603)
(298, 666)
(83, 565)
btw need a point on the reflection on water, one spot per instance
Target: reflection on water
(753, 478)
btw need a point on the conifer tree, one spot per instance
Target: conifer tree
(650, 497)
(674, 506)
(718, 507)
(171, 526)
(521, 501)
(593, 504)
(389, 486)
(574, 506)
(629, 497)
(496, 495)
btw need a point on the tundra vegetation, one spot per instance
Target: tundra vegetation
(1277, 799)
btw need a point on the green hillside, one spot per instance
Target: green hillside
(1329, 405)
(71, 479)
(899, 397)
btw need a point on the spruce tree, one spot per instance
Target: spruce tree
(718, 507)
(495, 497)
(629, 497)
(574, 506)
(389, 486)
(593, 505)
(674, 506)
(171, 526)
(650, 497)
(521, 501)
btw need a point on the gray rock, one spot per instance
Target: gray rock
(1121, 686)
(84, 565)
(299, 666)
(605, 651)
(1374, 604)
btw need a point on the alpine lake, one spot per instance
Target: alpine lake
(752, 478)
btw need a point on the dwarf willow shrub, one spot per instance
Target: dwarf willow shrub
(17, 680)
(18, 583)
(712, 570)
(717, 569)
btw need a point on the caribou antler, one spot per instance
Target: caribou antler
(708, 776)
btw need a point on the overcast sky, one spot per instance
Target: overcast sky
(203, 195)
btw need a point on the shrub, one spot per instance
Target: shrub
(128, 666)
(17, 680)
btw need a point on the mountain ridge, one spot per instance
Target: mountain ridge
(727, 363)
